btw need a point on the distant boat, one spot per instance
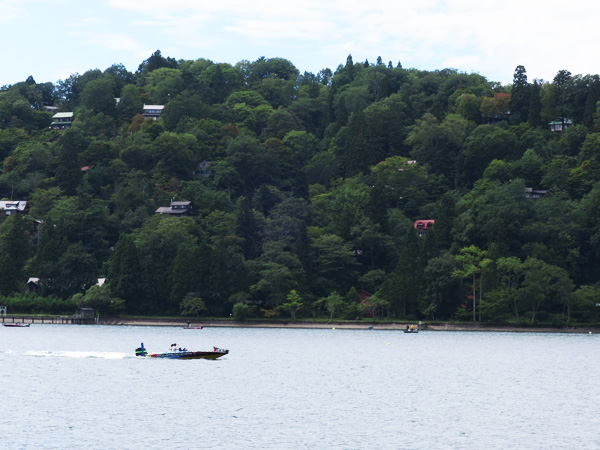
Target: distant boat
(411, 329)
(17, 325)
(182, 353)
(192, 328)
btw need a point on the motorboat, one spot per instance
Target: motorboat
(176, 352)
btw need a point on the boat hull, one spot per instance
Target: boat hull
(17, 325)
(182, 353)
(189, 355)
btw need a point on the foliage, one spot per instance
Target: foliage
(192, 304)
(241, 311)
(101, 299)
(305, 183)
(293, 304)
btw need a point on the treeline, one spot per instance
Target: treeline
(312, 186)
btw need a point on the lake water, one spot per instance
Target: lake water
(81, 387)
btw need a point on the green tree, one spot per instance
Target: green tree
(510, 272)
(101, 299)
(436, 145)
(124, 272)
(472, 263)
(68, 172)
(15, 249)
(187, 273)
(175, 154)
(77, 271)
(535, 105)
(293, 304)
(375, 307)
(584, 304)
(163, 84)
(192, 303)
(131, 102)
(484, 144)
(99, 96)
(334, 303)
(545, 286)
(441, 297)
(334, 263)
(158, 242)
(520, 96)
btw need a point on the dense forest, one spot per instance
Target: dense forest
(305, 192)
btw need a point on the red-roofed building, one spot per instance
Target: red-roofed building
(422, 226)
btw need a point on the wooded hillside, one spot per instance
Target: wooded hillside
(300, 194)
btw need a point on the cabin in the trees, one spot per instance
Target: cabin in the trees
(85, 315)
(559, 125)
(203, 169)
(177, 209)
(152, 111)
(61, 120)
(535, 193)
(9, 208)
(422, 226)
(34, 282)
(363, 295)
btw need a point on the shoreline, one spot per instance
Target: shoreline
(348, 325)
(454, 326)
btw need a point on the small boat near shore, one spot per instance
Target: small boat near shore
(176, 352)
(17, 325)
(411, 329)
(192, 328)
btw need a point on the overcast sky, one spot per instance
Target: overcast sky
(51, 39)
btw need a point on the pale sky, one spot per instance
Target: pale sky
(52, 39)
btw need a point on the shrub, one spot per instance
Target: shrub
(241, 311)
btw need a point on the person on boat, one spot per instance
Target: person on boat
(188, 323)
(407, 327)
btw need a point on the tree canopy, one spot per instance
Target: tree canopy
(306, 190)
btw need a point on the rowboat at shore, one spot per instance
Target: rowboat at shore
(176, 352)
(16, 325)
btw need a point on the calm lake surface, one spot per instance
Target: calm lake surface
(81, 387)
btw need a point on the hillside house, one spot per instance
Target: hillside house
(61, 120)
(203, 169)
(422, 226)
(152, 111)
(559, 125)
(177, 209)
(9, 208)
(535, 193)
(34, 282)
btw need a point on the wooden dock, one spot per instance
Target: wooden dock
(73, 320)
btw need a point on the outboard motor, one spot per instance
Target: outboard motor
(141, 351)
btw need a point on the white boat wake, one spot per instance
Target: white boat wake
(78, 354)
